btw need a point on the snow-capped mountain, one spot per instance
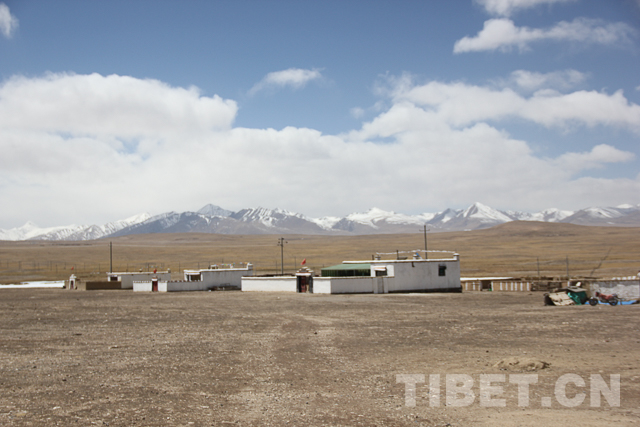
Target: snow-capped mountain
(213, 210)
(214, 219)
(547, 215)
(31, 231)
(277, 221)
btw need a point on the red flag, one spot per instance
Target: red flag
(155, 270)
(304, 261)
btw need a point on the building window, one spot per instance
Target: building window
(380, 271)
(442, 270)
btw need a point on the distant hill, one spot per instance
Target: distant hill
(214, 219)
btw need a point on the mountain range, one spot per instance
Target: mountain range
(214, 219)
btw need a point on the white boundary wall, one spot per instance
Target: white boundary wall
(626, 289)
(127, 279)
(210, 278)
(220, 276)
(270, 284)
(352, 285)
(511, 286)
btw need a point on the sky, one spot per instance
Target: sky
(114, 108)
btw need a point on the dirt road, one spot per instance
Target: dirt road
(230, 358)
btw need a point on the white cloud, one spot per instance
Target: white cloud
(115, 146)
(459, 104)
(120, 106)
(502, 34)
(594, 159)
(357, 112)
(292, 77)
(8, 22)
(508, 7)
(561, 80)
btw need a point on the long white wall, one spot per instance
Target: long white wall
(209, 279)
(142, 286)
(127, 279)
(270, 284)
(629, 289)
(351, 285)
(229, 277)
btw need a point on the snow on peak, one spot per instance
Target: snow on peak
(370, 217)
(554, 215)
(376, 215)
(213, 210)
(28, 226)
(547, 215)
(135, 219)
(265, 216)
(326, 222)
(602, 213)
(484, 213)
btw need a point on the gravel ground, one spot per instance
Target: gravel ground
(230, 358)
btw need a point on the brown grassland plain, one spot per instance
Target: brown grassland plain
(512, 249)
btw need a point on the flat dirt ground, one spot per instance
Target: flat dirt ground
(231, 358)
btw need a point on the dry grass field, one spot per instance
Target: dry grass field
(512, 249)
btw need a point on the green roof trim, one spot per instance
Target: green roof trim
(346, 270)
(349, 267)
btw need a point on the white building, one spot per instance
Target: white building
(215, 277)
(127, 279)
(377, 276)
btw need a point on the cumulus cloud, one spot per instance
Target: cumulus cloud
(8, 22)
(295, 78)
(503, 35)
(594, 159)
(508, 7)
(91, 148)
(459, 104)
(113, 105)
(560, 80)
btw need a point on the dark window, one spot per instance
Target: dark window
(442, 270)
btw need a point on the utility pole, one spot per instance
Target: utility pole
(425, 241)
(281, 243)
(110, 257)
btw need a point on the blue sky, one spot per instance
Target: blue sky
(109, 109)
